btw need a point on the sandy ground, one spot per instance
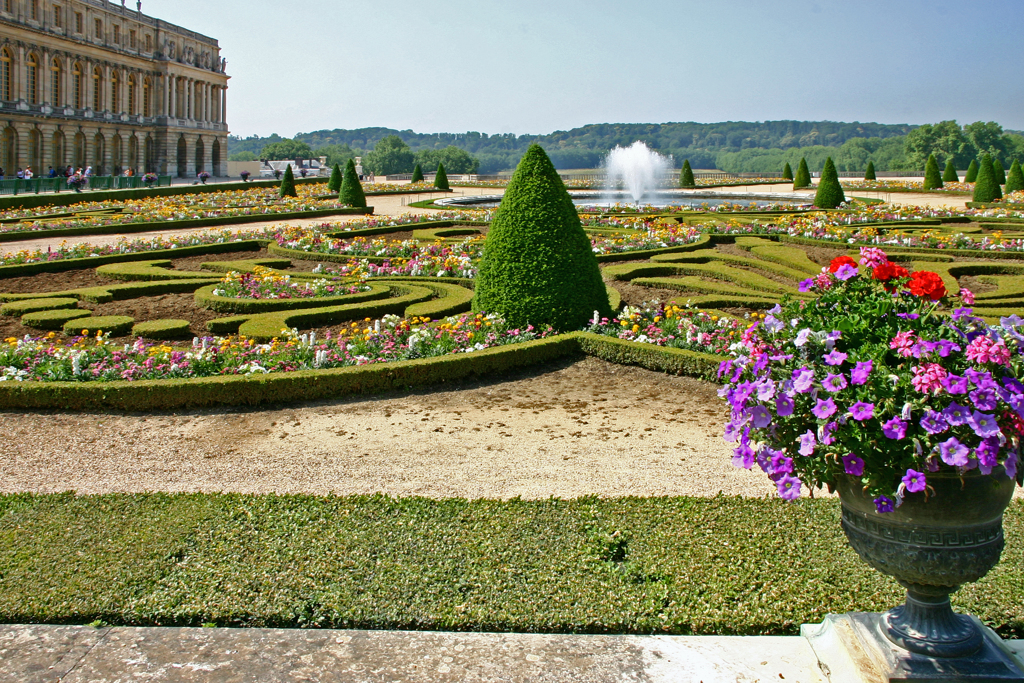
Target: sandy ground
(567, 430)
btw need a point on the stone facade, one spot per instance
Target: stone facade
(92, 83)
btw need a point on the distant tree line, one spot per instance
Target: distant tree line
(735, 147)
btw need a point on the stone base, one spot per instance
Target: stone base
(851, 648)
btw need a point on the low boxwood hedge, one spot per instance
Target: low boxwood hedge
(222, 304)
(53, 320)
(24, 306)
(162, 329)
(114, 325)
(679, 565)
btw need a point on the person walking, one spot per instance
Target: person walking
(28, 173)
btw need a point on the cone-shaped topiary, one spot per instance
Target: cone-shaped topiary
(949, 175)
(351, 192)
(830, 192)
(334, 184)
(686, 176)
(1015, 181)
(417, 174)
(288, 183)
(999, 173)
(869, 173)
(932, 179)
(441, 179)
(985, 188)
(803, 176)
(538, 267)
(787, 171)
(972, 172)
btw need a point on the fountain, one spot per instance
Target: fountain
(639, 168)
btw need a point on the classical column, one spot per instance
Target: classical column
(224, 105)
(172, 103)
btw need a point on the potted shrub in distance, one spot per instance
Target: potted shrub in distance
(881, 386)
(149, 179)
(203, 177)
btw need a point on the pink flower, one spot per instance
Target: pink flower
(967, 296)
(903, 344)
(984, 350)
(928, 378)
(823, 281)
(872, 256)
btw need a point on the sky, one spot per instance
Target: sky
(536, 66)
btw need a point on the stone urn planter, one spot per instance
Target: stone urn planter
(932, 547)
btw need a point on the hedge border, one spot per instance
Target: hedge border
(205, 298)
(54, 319)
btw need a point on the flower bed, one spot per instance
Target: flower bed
(266, 283)
(673, 326)
(907, 186)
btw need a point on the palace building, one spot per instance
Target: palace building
(93, 83)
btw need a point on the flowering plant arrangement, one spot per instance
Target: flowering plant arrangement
(149, 178)
(871, 376)
(266, 283)
(673, 326)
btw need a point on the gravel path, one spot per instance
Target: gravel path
(588, 427)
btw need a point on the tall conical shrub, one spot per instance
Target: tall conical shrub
(803, 176)
(972, 172)
(441, 179)
(288, 183)
(986, 189)
(538, 266)
(999, 173)
(351, 192)
(417, 174)
(1015, 181)
(949, 175)
(334, 183)
(830, 193)
(686, 176)
(869, 174)
(932, 179)
(787, 171)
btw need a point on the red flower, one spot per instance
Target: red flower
(926, 283)
(840, 261)
(889, 270)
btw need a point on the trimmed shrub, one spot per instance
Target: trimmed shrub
(932, 179)
(949, 175)
(538, 266)
(986, 189)
(334, 184)
(787, 171)
(162, 329)
(1015, 181)
(116, 325)
(144, 271)
(417, 174)
(441, 178)
(686, 179)
(869, 174)
(288, 183)
(999, 173)
(351, 191)
(830, 192)
(54, 320)
(33, 305)
(803, 176)
(205, 298)
(972, 172)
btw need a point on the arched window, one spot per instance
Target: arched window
(5, 74)
(32, 80)
(147, 97)
(115, 92)
(56, 84)
(131, 95)
(97, 91)
(77, 86)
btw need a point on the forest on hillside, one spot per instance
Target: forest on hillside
(733, 146)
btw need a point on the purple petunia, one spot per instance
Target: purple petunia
(824, 409)
(780, 464)
(807, 285)
(954, 384)
(835, 357)
(933, 422)
(884, 504)
(984, 399)
(825, 433)
(789, 487)
(914, 481)
(760, 417)
(894, 428)
(834, 383)
(953, 453)
(807, 443)
(845, 272)
(860, 373)
(784, 405)
(862, 411)
(802, 337)
(743, 456)
(853, 465)
(983, 425)
(803, 380)
(955, 414)
(765, 390)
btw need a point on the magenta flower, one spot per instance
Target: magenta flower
(784, 405)
(824, 409)
(835, 357)
(781, 464)
(834, 383)
(914, 481)
(862, 411)
(807, 443)
(984, 399)
(955, 414)
(760, 417)
(789, 487)
(872, 256)
(955, 384)
(894, 428)
(803, 380)
(845, 272)
(928, 378)
(933, 422)
(953, 453)
(884, 504)
(853, 465)
(743, 456)
(983, 425)
(860, 373)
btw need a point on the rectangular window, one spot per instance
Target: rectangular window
(58, 16)
(117, 34)
(9, 6)
(33, 7)
(99, 29)
(131, 39)
(78, 22)
(149, 43)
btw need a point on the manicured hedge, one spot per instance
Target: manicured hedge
(162, 329)
(24, 306)
(114, 325)
(222, 304)
(148, 271)
(684, 566)
(53, 320)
